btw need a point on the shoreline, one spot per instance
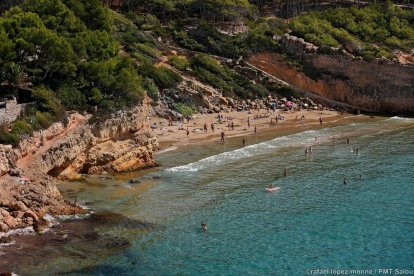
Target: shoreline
(265, 130)
(174, 137)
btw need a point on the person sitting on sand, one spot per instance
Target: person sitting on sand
(204, 226)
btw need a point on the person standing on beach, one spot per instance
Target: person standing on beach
(188, 132)
(255, 130)
(244, 142)
(248, 122)
(320, 120)
(223, 136)
(212, 127)
(347, 140)
(301, 119)
(205, 127)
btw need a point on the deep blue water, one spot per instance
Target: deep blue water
(315, 221)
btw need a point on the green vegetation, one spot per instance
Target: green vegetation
(185, 109)
(67, 49)
(225, 79)
(78, 54)
(64, 55)
(179, 62)
(163, 77)
(371, 32)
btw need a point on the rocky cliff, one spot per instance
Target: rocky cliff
(381, 85)
(28, 174)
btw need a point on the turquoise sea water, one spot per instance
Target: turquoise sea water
(313, 222)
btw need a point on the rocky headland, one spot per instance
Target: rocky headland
(29, 174)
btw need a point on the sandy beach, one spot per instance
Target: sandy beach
(176, 134)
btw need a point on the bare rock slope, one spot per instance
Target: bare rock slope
(28, 174)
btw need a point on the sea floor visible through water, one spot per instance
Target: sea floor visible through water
(314, 221)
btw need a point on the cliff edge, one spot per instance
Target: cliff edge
(29, 174)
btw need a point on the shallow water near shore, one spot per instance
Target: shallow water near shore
(314, 221)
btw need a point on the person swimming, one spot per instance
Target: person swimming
(204, 226)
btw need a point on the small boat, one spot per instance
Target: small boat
(271, 190)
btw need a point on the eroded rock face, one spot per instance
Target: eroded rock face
(122, 143)
(111, 146)
(385, 87)
(8, 158)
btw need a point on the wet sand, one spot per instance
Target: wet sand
(172, 137)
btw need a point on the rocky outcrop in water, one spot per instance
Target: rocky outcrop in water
(28, 183)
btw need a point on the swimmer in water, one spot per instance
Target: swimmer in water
(345, 181)
(204, 226)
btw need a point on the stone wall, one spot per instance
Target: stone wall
(9, 111)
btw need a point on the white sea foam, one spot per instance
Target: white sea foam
(167, 149)
(300, 139)
(401, 118)
(75, 216)
(22, 231)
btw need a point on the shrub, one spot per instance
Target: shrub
(179, 62)
(71, 97)
(184, 109)
(95, 96)
(148, 50)
(152, 89)
(21, 126)
(185, 41)
(43, 120)
(9, 139)
(46, 101)
(288, 92)
(163, 77)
